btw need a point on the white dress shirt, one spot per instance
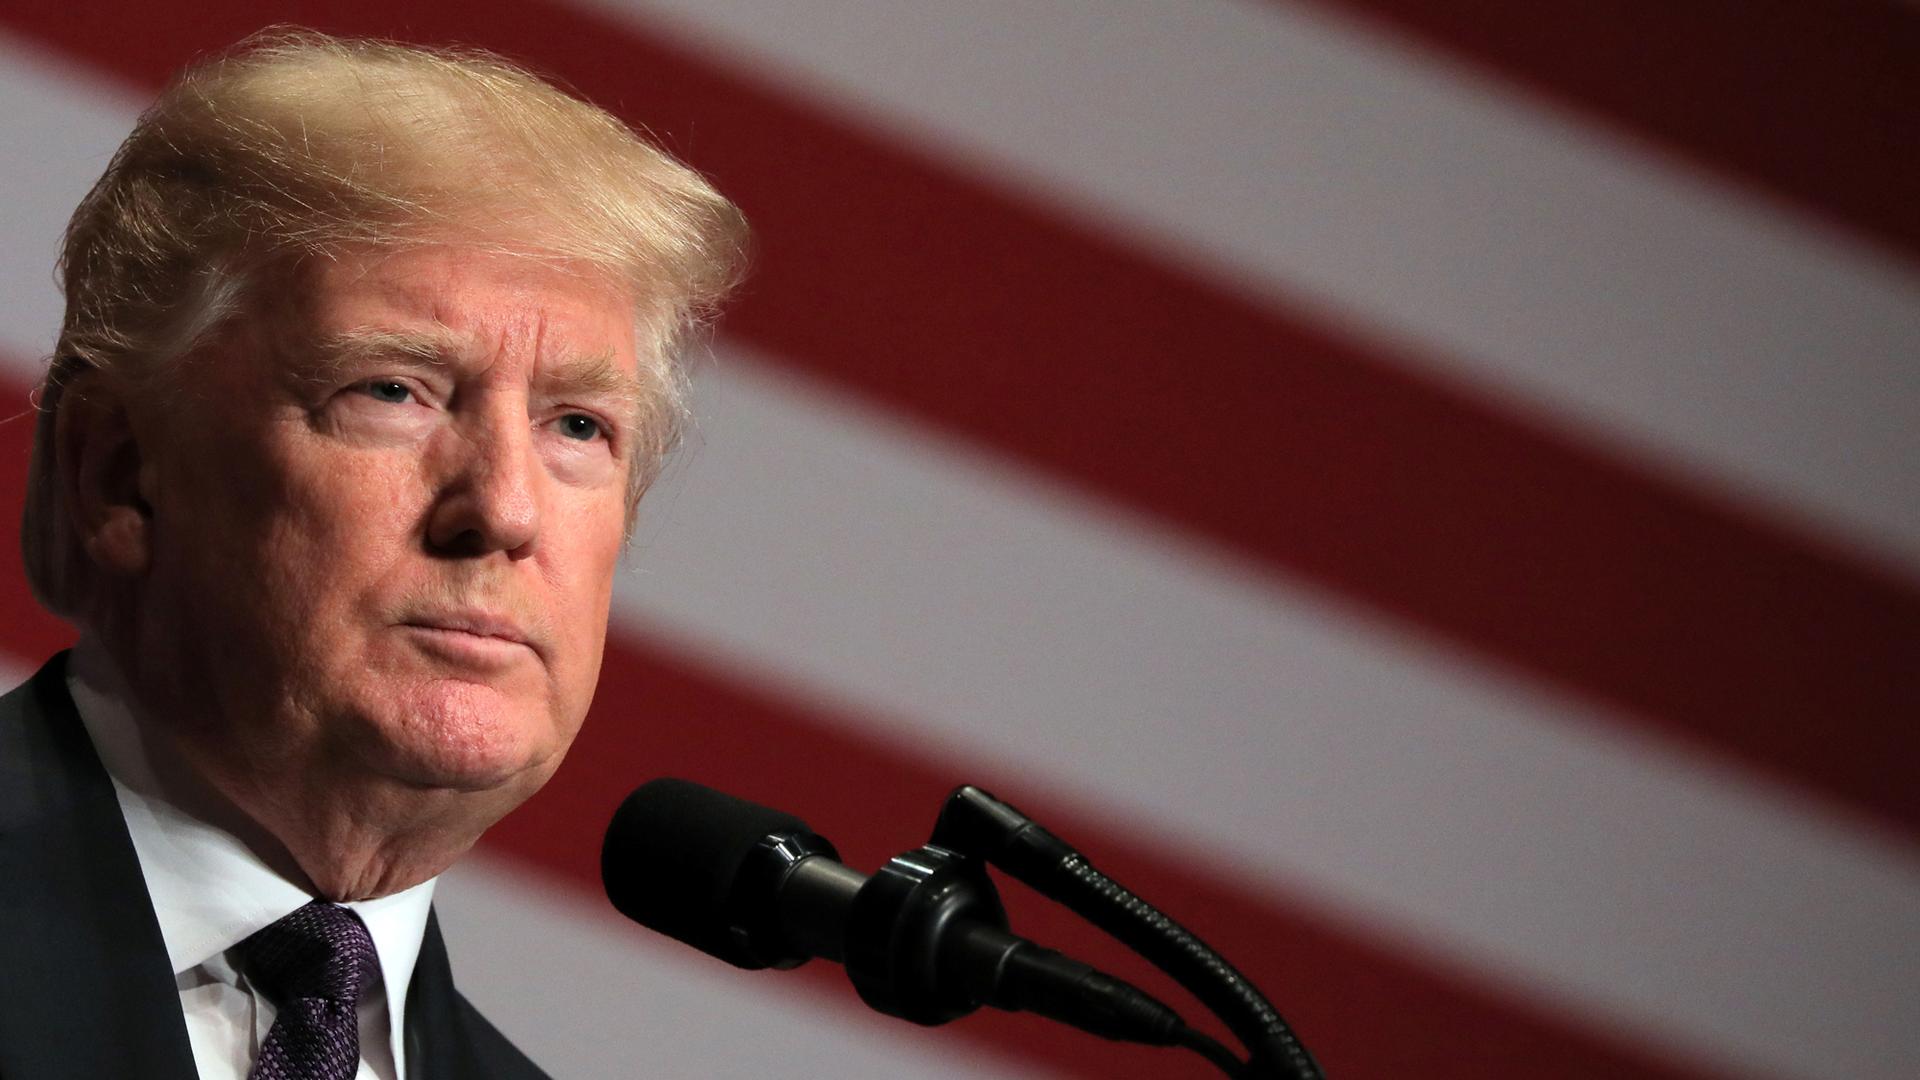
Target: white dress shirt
(211, 891)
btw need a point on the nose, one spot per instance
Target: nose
(490, 501)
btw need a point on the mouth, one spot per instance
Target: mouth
(476, 638)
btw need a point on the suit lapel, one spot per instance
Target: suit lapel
(88, 990)
(447, 1038)
(433, 1038)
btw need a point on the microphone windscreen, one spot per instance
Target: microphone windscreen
(673, 856)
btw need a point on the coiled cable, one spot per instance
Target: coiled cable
(978, 824)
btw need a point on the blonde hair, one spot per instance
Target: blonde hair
(295, 144)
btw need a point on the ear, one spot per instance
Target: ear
(105, 475)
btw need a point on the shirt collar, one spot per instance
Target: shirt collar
(210, 890)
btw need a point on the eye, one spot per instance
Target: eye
(580, 426)
(387, 390)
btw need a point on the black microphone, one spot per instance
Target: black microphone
(924, 938)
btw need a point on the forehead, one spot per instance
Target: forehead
(471, 307)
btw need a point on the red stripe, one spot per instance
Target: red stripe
(1365, 1010)
(1813, 103)
(1256, 427)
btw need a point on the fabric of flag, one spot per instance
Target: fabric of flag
(1426, 494)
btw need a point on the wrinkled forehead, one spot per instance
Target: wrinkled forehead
(467, 311)
(473, 289)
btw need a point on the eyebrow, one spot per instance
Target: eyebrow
(594, 375)
(350, 348)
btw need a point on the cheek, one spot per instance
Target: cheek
(580, 581)
(307, 545)
(351, 507)
(580, 612)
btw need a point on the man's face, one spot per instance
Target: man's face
(385, 524)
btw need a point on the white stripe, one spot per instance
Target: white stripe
(985, 618)
(587, 994)
(1497, 240)
(839, 554)
(58, 129)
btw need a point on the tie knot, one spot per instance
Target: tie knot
(321, 950)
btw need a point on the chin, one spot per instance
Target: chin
(468, 737)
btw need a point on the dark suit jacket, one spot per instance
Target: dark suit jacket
(85, 987)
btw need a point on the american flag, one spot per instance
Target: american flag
(1427, 493)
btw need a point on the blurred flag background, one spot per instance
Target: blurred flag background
(1429, 494)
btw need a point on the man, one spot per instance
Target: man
(368, 355)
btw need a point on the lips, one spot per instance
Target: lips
(480, 626)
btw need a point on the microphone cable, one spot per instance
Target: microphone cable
(976, 823)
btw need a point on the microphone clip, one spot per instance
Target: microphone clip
(927, 936)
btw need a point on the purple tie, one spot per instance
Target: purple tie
(312, 965)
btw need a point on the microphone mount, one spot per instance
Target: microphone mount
(925, 938)
(919, 936)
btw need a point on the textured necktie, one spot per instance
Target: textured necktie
(312, 965)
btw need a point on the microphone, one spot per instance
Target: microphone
(924, 938)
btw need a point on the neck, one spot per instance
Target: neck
(353, 841)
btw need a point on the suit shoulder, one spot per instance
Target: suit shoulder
(48, 767)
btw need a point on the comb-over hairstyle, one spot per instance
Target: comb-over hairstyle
(295, 145)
